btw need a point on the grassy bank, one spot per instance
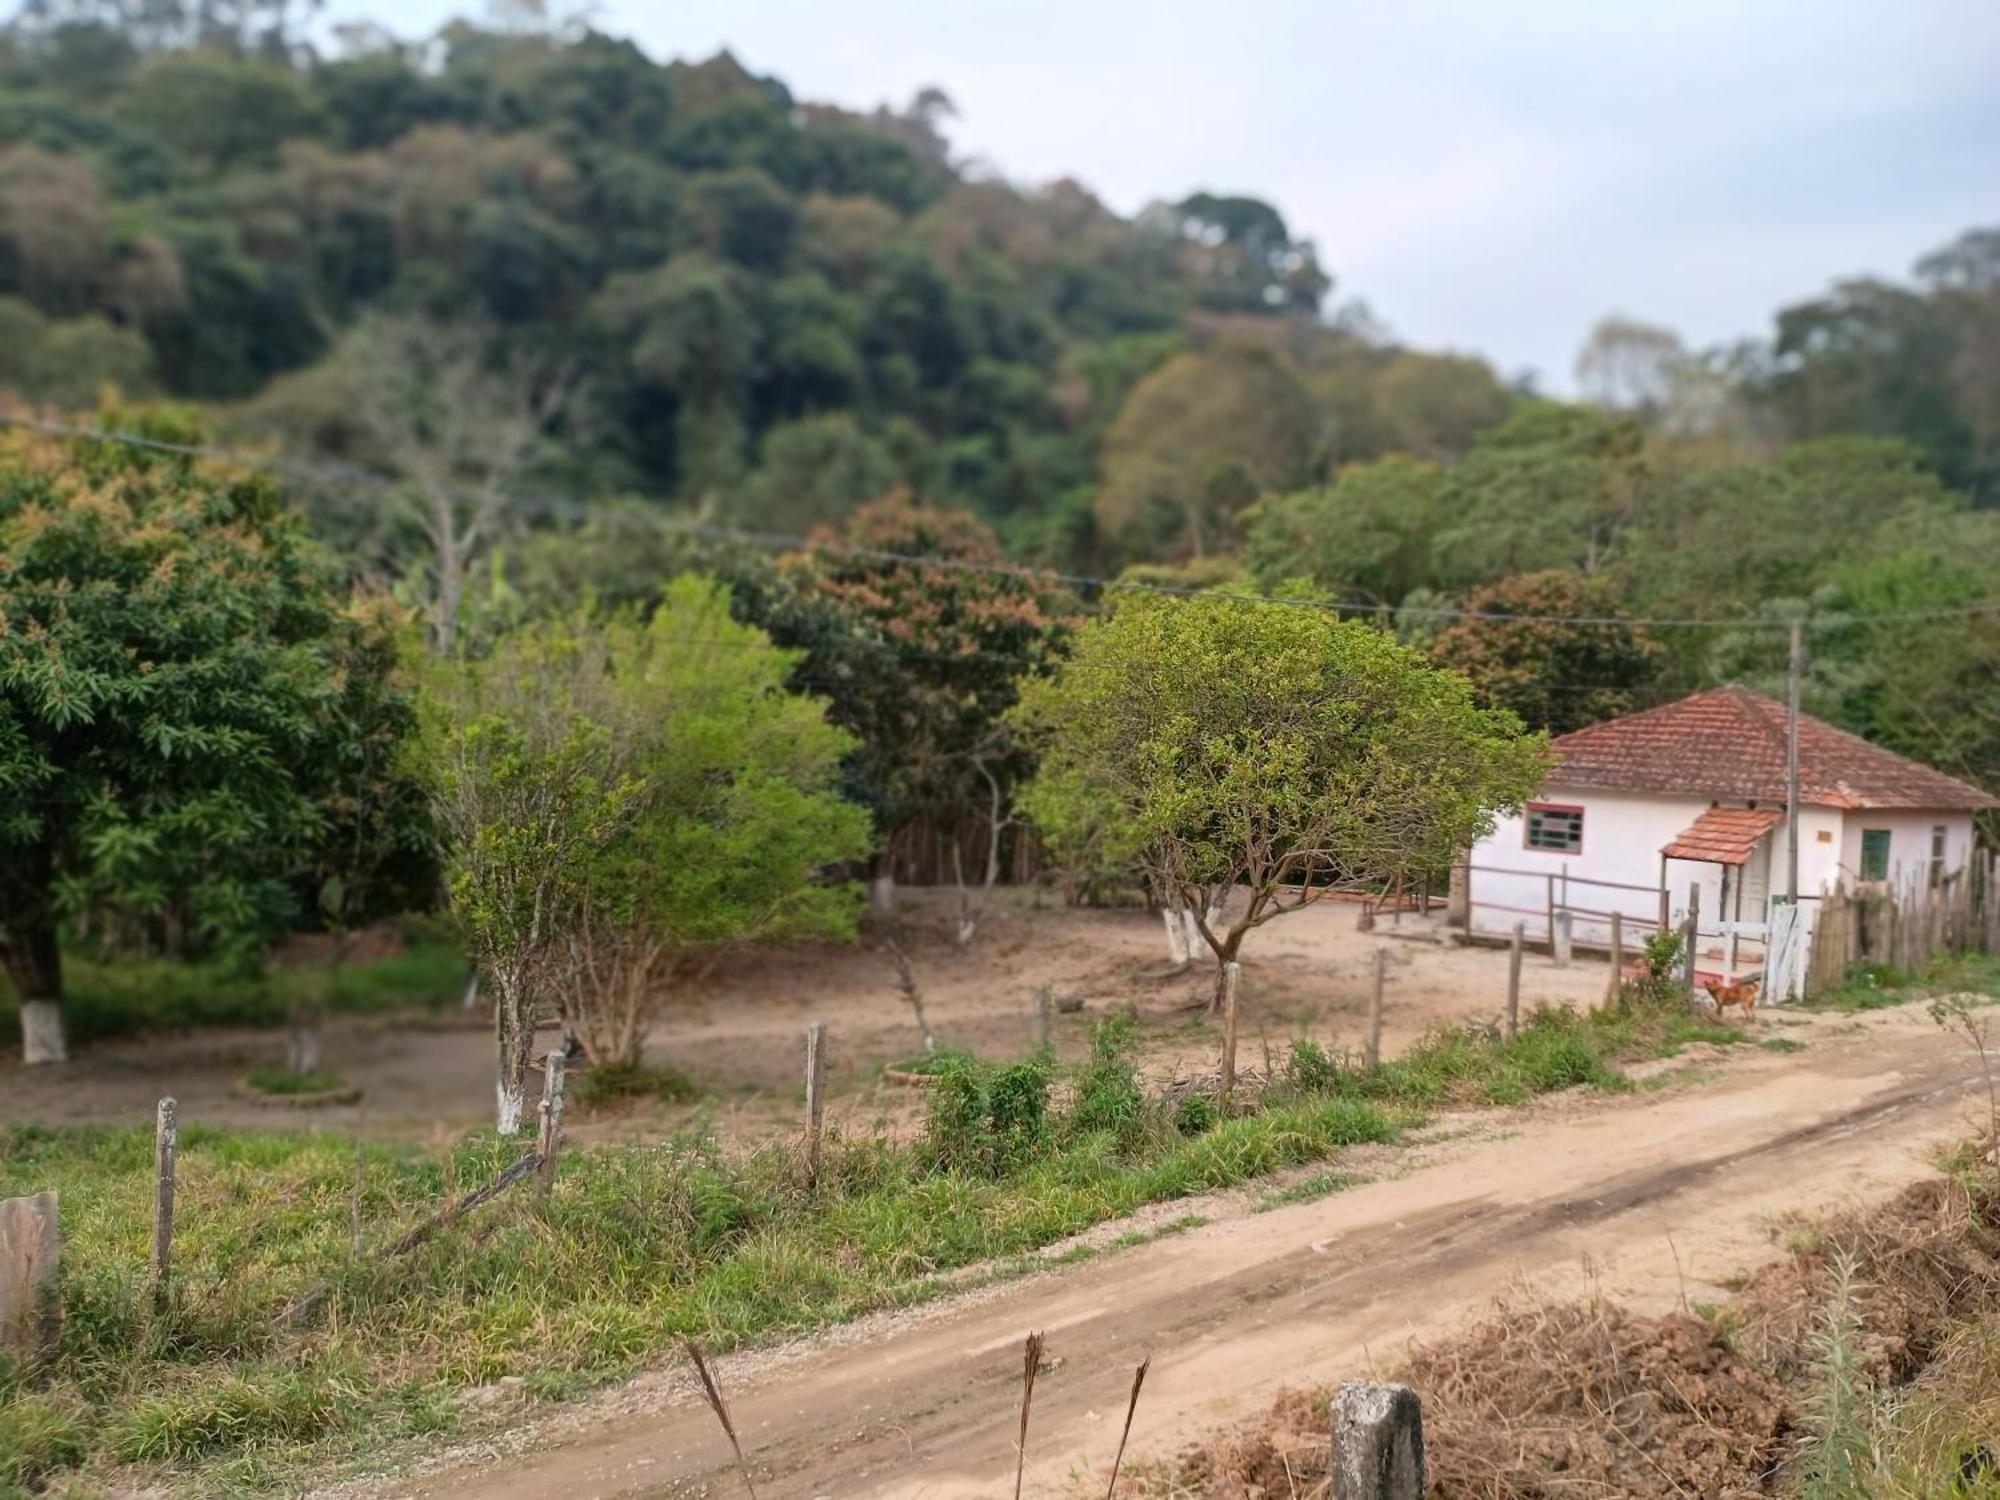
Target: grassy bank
(1874, 986)
(138, 997)
(636, 1246)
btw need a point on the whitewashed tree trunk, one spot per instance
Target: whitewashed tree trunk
(882, 893)
(302, 1051)
(1191, 931)
(1177, 944)
(514, 1035)
(42, 1032)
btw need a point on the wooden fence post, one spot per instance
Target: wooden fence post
(166, 1146)
(1232, 973)
(1549, 910)
(815, 1099)
(30, 1253)
(1378, 1442)
(1617, 977)
(549, 1137)
(1514, 980)
(1375, 1007)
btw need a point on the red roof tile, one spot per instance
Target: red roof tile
(1723, 835)
(1730, 742)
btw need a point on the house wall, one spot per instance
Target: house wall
(1909, 841)
(1622, 837)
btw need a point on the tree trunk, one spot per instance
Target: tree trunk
(514, 1036)
(882, 886)
(1177, 943)
(450, 575)
(33, 960)
(1223, 959)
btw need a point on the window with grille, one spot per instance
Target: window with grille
(1874, 854)
(1555, 830)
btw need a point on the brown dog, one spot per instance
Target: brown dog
(1743, 993)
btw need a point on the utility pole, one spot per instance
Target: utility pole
(1794, 670)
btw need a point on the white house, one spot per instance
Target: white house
(1692, 794)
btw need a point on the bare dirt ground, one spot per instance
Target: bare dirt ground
(1663, 1195)
(739, 1040)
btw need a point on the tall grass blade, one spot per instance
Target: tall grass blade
(1138, 1379)
(1032, 1363)
(721, 1409)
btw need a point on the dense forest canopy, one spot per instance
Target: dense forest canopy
(528, 259)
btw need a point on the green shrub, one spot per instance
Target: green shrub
(1108, 1096)
(279, 1081)
(1310, 1069)
(987, 1120)
(1196, 1114)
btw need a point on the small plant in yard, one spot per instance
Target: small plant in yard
(1311, 1069)
(284, 1083)
(1956, 1013)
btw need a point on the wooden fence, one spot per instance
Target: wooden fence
(1905, 924)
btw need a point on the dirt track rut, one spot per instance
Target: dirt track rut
(1647, 1199)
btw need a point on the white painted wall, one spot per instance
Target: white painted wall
(1909, 841)
(1622, 837)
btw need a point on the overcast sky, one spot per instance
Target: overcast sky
(1491, 175)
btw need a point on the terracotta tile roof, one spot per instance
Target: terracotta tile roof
(1730, 742)
(1723, 835)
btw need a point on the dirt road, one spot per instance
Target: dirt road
(1648, 1198)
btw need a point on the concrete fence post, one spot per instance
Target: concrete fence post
(1565, 928)
(1378, 1442)
(1616, 978)
(1514, 979)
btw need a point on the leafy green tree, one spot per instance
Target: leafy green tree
(621, 801)
(738, 815)
(1272, 754)
(178, 702)
(1554, 674)
(530, 758)
(219, 111)
(1368, 534)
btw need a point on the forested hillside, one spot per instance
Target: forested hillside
(534, 262)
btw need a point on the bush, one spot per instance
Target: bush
(1311, 1069)
(987, 1121)
(1196, 1115)
(1108, 1097)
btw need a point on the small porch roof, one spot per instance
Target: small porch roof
(1723, 835)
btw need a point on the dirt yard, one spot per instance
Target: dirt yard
(739, 1042)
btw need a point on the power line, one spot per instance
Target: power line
(554, 507)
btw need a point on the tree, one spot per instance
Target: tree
(921, 661)
(737, 816)
(439, 407)
(529, 756)
(1368, 533)
(174, 672)
(621, 801)
(1197, 439)
(1273, 753)
(1631, 366)
(1553, 674)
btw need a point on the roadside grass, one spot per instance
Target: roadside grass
(1876, 986)
(636, 1247)
(105, 1000)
